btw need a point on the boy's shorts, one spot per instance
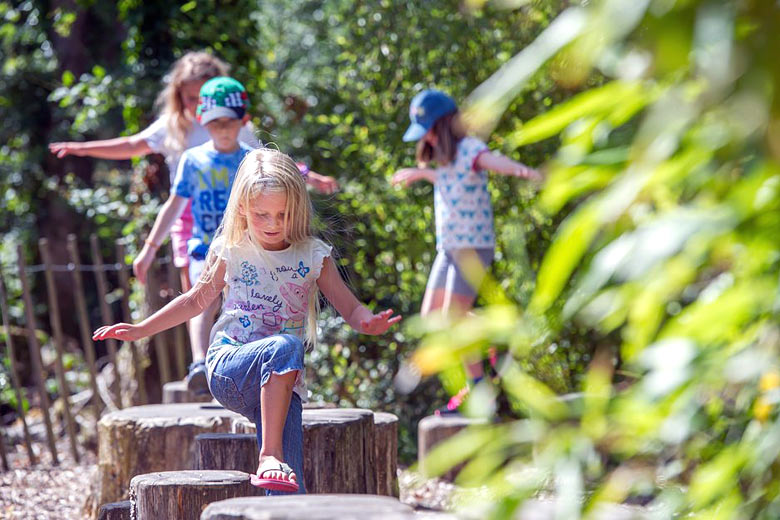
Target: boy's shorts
(459, 271)
(180, 233)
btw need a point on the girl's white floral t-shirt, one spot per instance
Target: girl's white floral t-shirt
(268, 291)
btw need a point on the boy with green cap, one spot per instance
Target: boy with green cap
(204, 175)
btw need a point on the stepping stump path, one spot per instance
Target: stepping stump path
(338, 449)
(310, 507)
(183, 495)
(434, 429)
(176, 392)
(115, 511)
(151, 438)
(227, 451)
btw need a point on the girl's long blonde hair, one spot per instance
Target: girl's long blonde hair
(193, 66)
(266, 171)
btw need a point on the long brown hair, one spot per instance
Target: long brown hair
(193, 66)
(449, 131)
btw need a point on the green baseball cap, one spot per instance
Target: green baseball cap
(221, 97)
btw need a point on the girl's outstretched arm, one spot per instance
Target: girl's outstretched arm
(181, 309)
(357, 315)
(162, 225)
(408, 176)
(118, 149)
(504, 165)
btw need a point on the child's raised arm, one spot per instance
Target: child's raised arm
(119, 149)
(162, 225)
(408, 176)
(179, 310)
(504, 165)
(357, 315)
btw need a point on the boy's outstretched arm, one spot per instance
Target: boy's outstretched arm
(504, 165)
(170, 211)
(357, 315)
(179, 310)
(119, 148)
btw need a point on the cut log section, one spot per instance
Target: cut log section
(176, 392)
(146, 439)
(434, 429)
(184, 495)
(310, 507)
(115, 511)
(338, 449)
(386, 458)
(227, 451)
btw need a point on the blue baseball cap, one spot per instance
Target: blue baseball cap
(426, 108)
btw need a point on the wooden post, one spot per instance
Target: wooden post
(227, 451)
(178, 331)
(124, 283)
(15, 381)
(35, 354)
(115, 511)
(83, 316)
(184, 494)
(56, 327)
(105, 314)
(153, 288)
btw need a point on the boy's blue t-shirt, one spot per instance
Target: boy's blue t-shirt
(206, 176)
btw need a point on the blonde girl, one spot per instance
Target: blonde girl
(271, 270)
(465, 238)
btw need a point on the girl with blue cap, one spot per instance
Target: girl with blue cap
(456, 165)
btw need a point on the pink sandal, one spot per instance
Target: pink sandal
(274, 484)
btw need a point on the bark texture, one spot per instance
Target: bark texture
(434, 429)
(115, 511)
(151, 438)
(184, 495)
(227, 451)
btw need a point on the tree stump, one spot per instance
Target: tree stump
(227, 451)
(176, 392)
(310, 507)
(183, 495)
(386, 454)
(338, 449)
(115, 511)
(146, 439)
(434, 429)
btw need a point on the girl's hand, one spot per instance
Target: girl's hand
(405, 176)
(63, 149)
(379, 323)
(120, 331)
(142, 263)
(524, 172)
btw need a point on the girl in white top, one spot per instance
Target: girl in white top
(271, 269)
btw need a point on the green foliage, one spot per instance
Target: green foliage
(668, 181)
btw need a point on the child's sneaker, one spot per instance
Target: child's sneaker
(454, 403)
(197, 383)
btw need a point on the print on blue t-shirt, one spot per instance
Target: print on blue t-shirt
(206, 176)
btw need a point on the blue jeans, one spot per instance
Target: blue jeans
(237, 374)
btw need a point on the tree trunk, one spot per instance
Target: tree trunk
(227, 451)
(319, 507)
(115, 511)
(150, 438)
(386, 445)
(434, 429)
(338, 449)
(182, 495)
(176, 392)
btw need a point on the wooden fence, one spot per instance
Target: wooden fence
(105, 398)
